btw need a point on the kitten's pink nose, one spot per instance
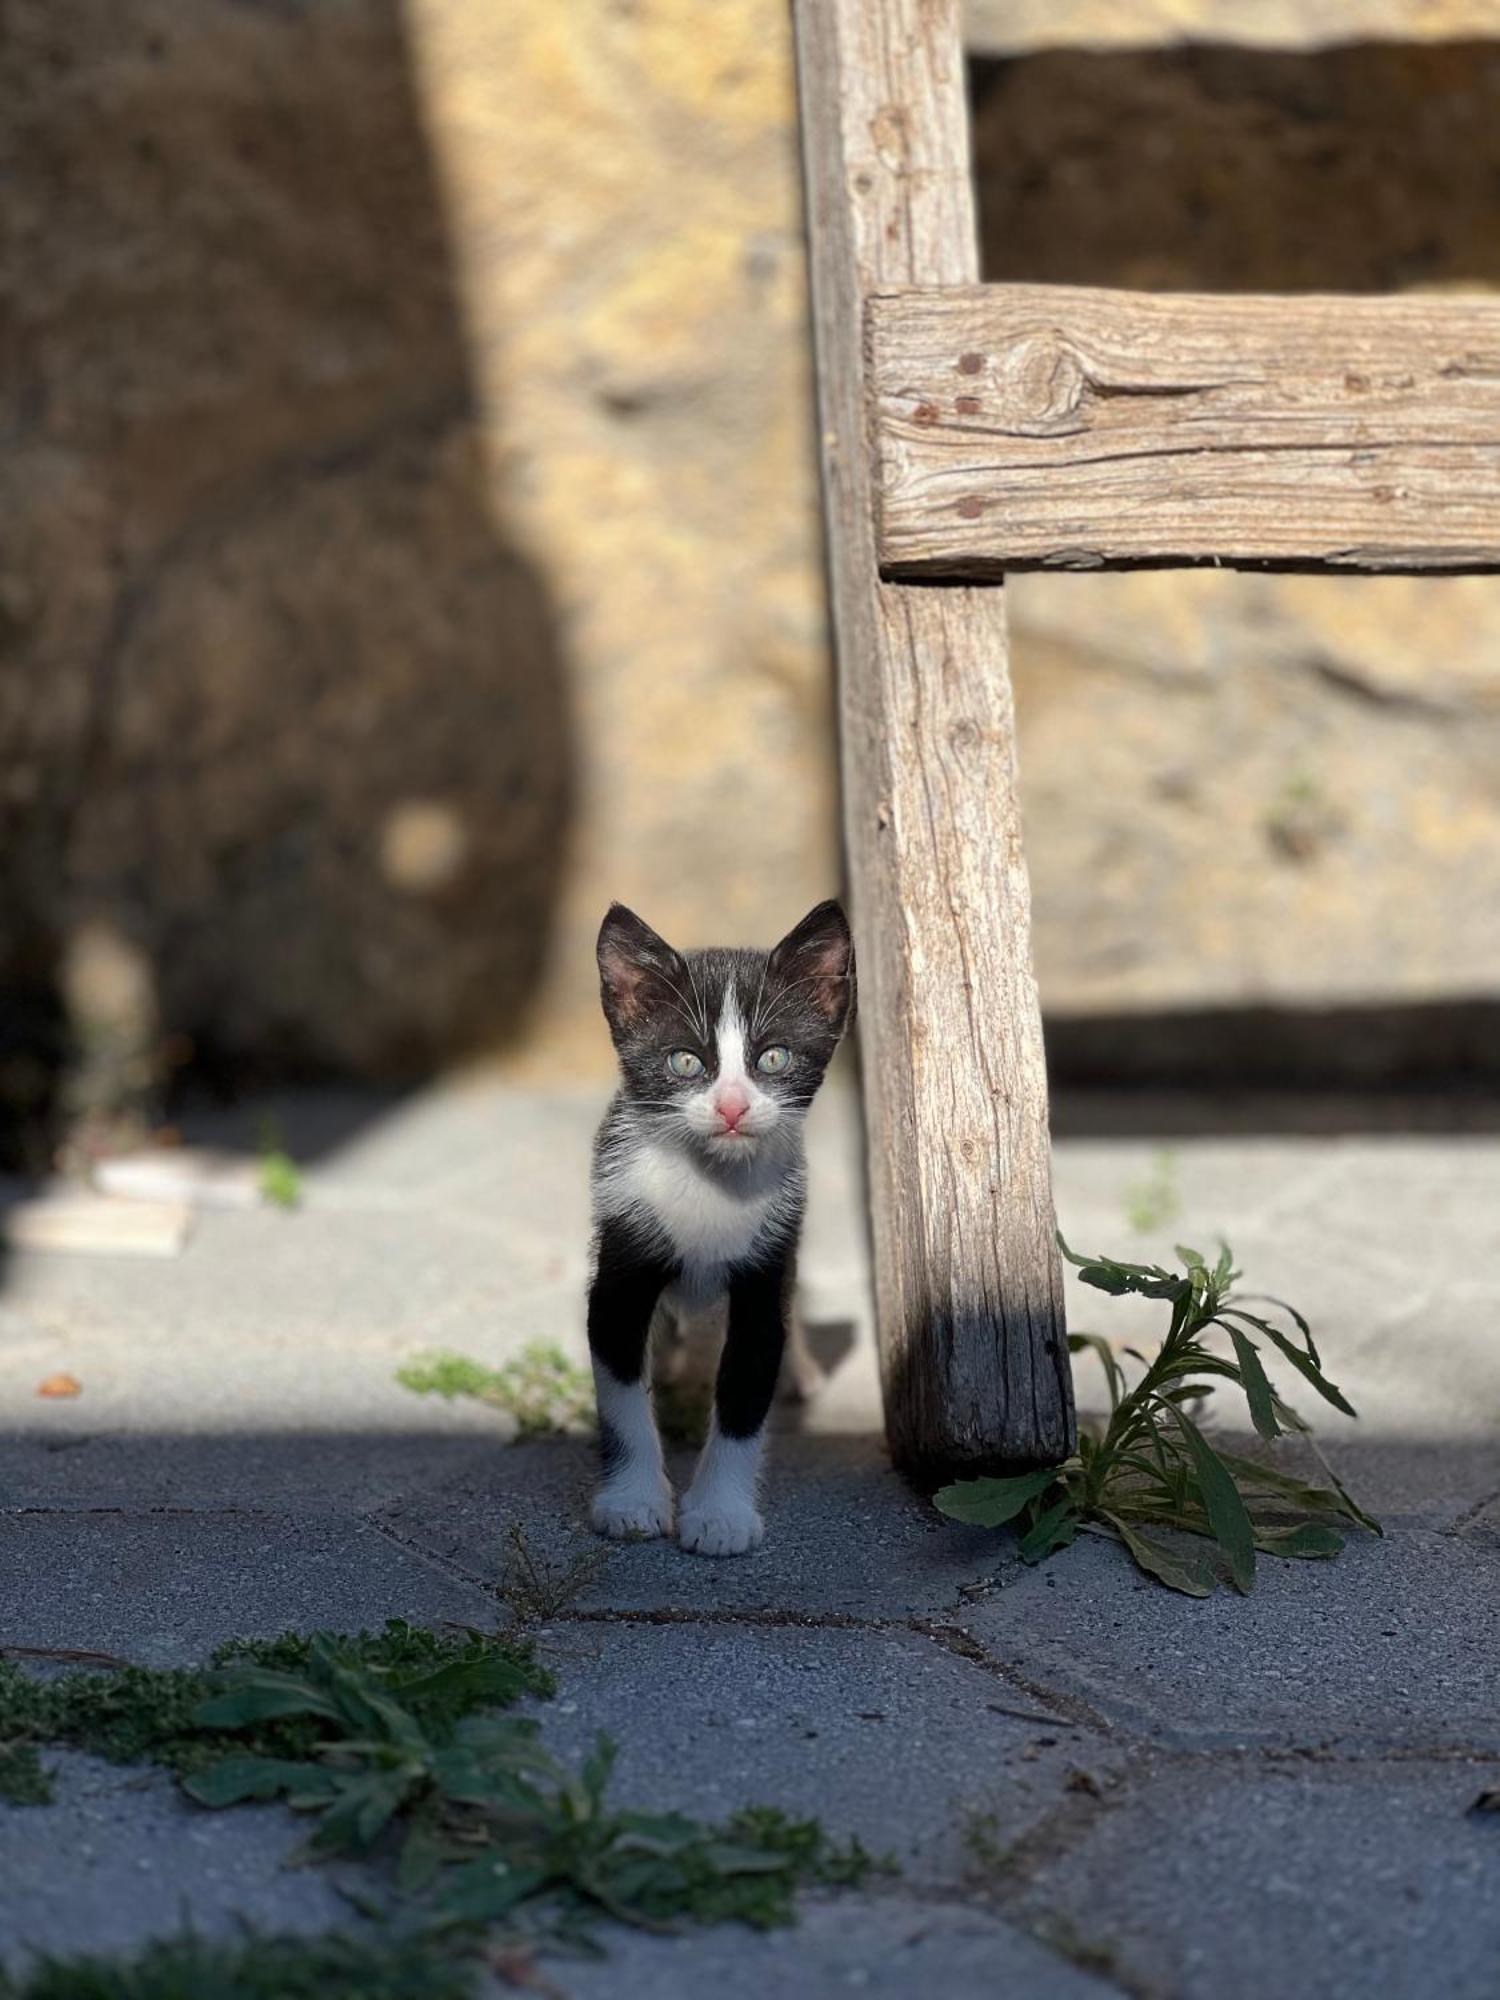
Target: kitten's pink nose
(732, 1103)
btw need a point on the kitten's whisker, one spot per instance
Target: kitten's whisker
(679, 1002)
(784, 994)
(702, 1006)
(760, 994)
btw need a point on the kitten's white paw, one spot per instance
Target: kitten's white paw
(720, 1529)
(627, 1512)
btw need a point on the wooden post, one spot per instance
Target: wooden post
(968, 1289)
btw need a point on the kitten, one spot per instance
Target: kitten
(699, 1180)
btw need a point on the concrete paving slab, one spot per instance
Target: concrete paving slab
(891, 1946)
(880, 1733)
(164, 1589)
(1436, 1481)
(265, 1278)
(456, 1218)
(248, 1386)
(1387, 1244)
(1399, 1382)
(1393, 1644)
(1232, 1883)
(1212, 1185)
(306, 1471)
(120, 1857)
(844, 1534)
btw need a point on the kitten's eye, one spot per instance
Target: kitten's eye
(682, 1062)
(773, 1061)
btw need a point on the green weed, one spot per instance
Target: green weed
(279, 1175)
(1155, 1200)
(255, 1968)
(988, 1853)
(1152, 1468)
(540, 1387)
(485, 1826)
(683, 1410)
(23, 1781)
(396, 1747)
(537, 1590)
(139, 1714)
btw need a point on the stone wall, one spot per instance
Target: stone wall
(1243, 789)
(410, 533)
(284, 717)
(1015, 27)
(410, 527)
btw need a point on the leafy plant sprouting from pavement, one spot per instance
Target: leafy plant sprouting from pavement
(1155, 1200)
(280, 1178)
(540, 1387)
(255, 1967)
(487, 1826)
(134, 1714)
(1151, 1467)
(536, 1589)
(395, 1745)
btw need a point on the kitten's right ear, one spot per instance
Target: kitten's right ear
(637, 969)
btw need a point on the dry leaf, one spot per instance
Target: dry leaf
(518, 1969)
(61, 1384)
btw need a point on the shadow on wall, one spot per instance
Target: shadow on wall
(1365, 168)
(284, 732)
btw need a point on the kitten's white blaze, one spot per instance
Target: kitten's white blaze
(763, 1112)
(730, 1036)
(635, 1498)
(719, 1515)
(707, 1223)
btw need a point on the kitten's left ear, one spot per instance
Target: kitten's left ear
(818, 956)
(638, 969)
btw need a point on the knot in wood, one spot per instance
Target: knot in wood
(890, 133)
(1042, 381)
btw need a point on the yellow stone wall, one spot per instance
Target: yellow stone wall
(411, 535)
(623, 192)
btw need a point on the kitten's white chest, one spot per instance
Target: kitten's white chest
(707, 1224)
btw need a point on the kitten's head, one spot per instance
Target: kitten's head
(723, 1048)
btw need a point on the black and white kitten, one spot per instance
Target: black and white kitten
(699, 1180)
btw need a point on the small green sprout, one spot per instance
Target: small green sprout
(540, 1387)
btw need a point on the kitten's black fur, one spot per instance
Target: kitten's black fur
(683, 1204)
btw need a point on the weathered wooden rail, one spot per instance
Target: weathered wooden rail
(1047, 426)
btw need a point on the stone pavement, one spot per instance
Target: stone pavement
(1092, 1786)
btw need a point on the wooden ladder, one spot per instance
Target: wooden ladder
(970, 429)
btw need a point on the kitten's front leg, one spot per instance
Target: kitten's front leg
(719, 1514)
(635, 1495)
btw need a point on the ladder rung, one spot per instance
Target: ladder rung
(1055, 427)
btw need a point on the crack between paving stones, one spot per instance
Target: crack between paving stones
(1068, 1711)
(728, 1614)
(1016, 1893)
(136, 1511)
(1046, 1844)
(445, 1565)
(965, 1898)
(963, 1645)
(1470, 1515)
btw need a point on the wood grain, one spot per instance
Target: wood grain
(1038, 426)
(968, 1292)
